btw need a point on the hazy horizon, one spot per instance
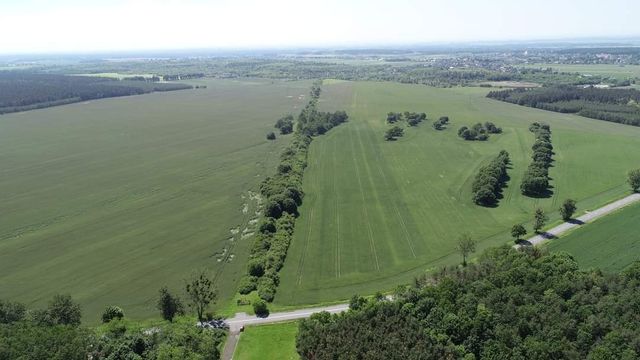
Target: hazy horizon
(73, 26)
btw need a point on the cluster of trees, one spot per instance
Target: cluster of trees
(283, 194)
(20, 91)
(441, 123)
(615, 105)
(285, 124)
(56, 331)
(535, 181)
(412, 118)
(393, 133)
(511, 304)
(479, 131)
(490, 179)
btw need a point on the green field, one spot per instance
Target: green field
(109, 200)
(378, 213)
(268, 342)
(614, 71)
(610, 243)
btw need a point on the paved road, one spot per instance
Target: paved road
(242, 319)
(588, 217)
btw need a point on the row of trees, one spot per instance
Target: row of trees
(479, 131)
(283, 195)
(490, 179)
(511, 304)
(56, 331)
(615, 105)
(535, 181)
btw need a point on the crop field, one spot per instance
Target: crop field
(377, 213)
(111, 199)
(610, 243)
(273, 341)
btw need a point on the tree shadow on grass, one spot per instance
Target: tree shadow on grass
(547, 235)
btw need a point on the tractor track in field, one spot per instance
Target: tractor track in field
(335, 200)
(364, 208)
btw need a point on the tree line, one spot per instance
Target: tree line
(283, 195)
(491, 178)
(510, 304)
(56, 332)
(615, 105)
(20, 91)
(479, 131)
(535, 181)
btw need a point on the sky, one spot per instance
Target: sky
(52, 26)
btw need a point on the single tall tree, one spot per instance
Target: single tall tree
(539, 220)
(201, 292)
(517, 231)
(169, 304)
(634, 180)
(466, 246)
(567, 209)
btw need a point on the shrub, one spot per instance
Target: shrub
(112, 312)
(260, 308)
(256, 267)
(271, 136)
(248, 283)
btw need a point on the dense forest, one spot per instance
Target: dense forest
(615, 105)
(21, 91)
(511, 304)
(56, 332)
(283, 194)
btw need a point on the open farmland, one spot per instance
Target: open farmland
(109, 200)
(378, 213)
(610, 243)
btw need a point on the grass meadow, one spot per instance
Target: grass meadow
(610, 243)
(378, 213)
(273, 341)
(109, 200)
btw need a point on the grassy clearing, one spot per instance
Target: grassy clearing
(108, 200)
(274, 341)
(610, 243)
(378, 213)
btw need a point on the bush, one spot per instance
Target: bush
(11, 312)
(266, 288)
(267, 225)
(271, 136)
(256, 267)
(260, 308)
(272, 209)
(248, 283)
(112, 312)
